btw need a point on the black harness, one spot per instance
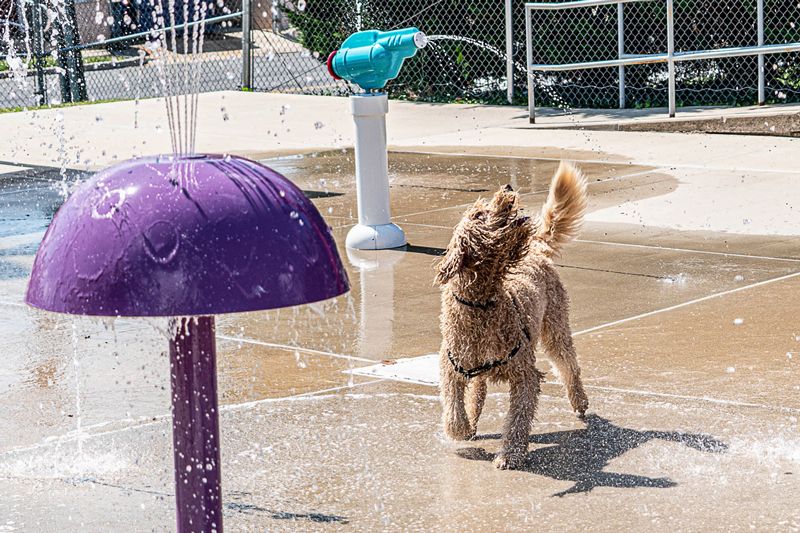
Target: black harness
(477, 305)
(477, 371)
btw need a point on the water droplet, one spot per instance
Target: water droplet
(229, 75)
(188, 468)
(738, 277)
(318, 125)
(730, 369)
(294, 215)
(738, 321)
(746, 221)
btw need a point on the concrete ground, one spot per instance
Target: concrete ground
(685, 286)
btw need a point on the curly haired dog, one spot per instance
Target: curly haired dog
(501, 293)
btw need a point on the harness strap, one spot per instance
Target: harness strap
(477, 371)
(477, 305)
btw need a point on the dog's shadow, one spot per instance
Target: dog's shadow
(581, 455)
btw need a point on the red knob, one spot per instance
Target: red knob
(330, 66)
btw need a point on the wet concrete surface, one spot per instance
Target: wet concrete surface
(688, 341)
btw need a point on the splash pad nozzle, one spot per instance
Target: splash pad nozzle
(370, 59)
(187, 237)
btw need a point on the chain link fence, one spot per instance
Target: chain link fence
(465, 60)
(590, 34)
(290, 43)
(281, 61)
(107, 50)
(99, 50)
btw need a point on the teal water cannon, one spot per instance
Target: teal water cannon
(371, 58)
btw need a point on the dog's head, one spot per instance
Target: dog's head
(491, 239)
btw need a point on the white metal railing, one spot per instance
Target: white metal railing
(670, 57)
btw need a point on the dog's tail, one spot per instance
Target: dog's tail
(562, 213)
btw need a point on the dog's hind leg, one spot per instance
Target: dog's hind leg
(557, 342)
(475, 396)
(523, 399)
(454, 414)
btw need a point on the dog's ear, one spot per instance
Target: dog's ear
(451, 263)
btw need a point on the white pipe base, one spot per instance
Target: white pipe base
(363, 237)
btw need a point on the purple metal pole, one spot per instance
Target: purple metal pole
(195, 426)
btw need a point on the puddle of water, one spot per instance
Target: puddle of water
(61, 463)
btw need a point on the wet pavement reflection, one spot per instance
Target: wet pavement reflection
(688, 342)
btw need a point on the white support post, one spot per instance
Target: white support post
(528, 70)
(671, 56)
(761, 89)
(374, 230)
(509, 53)
(621, 52)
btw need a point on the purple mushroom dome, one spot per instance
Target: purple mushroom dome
(185, 236)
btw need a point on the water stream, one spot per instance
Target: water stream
(178, 66)
(519, 66)
(76, 365)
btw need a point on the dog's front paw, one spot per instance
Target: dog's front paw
(459, 430)
(580, 403)
(509, 460)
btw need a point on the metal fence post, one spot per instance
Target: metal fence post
(77, 80)
(671, 56)
(70, 59)
(761, 89)
(38, 53)
(529, 72)
(621, 52)
(509, 54)
(247, 49)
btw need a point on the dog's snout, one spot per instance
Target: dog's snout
(508, 188)
(521, 220)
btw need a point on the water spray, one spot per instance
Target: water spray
(370, 59)
(226, 235)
